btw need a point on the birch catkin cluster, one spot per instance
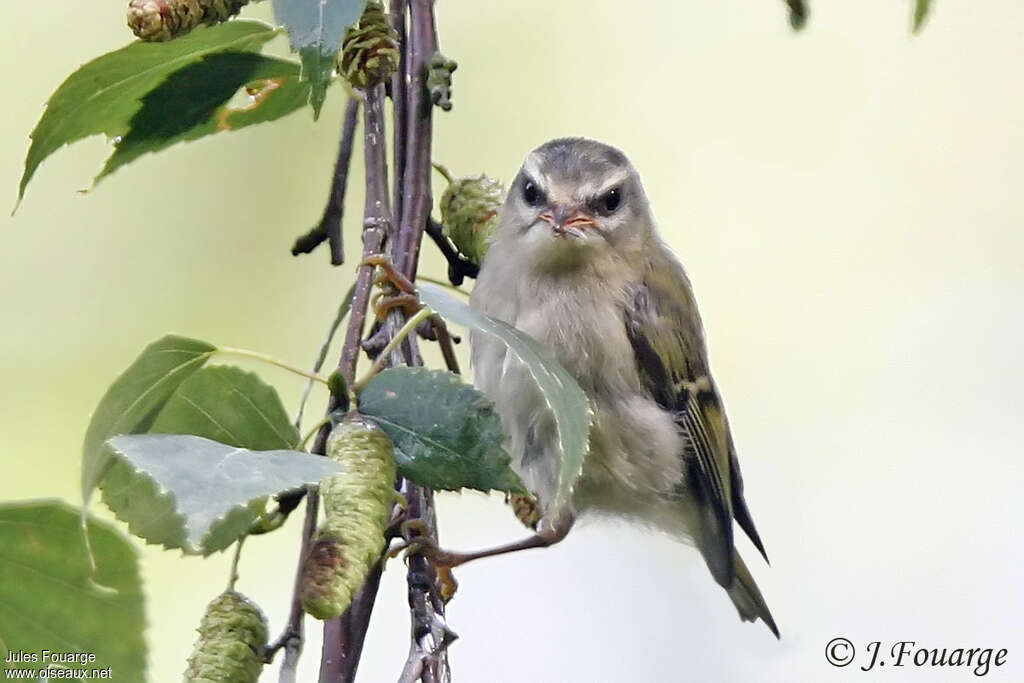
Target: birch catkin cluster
(232, 636)
(160, 20)
(357, 507)
(369, 53)
(469, 213)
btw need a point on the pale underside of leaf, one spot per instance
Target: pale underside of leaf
(562, 395)
(184, 491)
(316, 29)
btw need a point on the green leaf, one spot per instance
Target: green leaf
(193, 103)
(184, 491)
(48, 600)
(103, 95)
(569, 406)
(446, 433)
(317, 69)
(229, 405)
(921, 9)
(133, 400)
(316, 29)
(797, 14)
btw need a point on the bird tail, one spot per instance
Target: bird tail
(747, 597)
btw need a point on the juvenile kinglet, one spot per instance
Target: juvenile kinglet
(577, 263)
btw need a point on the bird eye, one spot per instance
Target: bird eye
(531, 195)
(611, 200)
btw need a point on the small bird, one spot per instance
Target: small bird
(577, 263)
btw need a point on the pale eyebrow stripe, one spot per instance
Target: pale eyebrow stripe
(590, 190)
(532, 167)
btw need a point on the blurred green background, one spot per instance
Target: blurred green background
(847, 201)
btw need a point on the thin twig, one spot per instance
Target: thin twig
(344, 636)
(444, 340)
(329, 227)
(458, 268)
(413, 669)
(291, 639)
(373, 238)
(397, 16)
(426, 606)
(416, 195)
(343, 308)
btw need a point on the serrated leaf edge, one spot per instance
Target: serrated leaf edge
(559, 501)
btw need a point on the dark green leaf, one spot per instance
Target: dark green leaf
(317, 69)
(47, 600)
(194, 102)
(797, 14)
(921, 9)
(229, 405)
(187, 492)
(103, 95)
(133, 400)
(446, 433)
(569, 406)
(316, 29)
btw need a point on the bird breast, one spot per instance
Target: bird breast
(635, 445)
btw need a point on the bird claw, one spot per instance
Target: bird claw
(423, 544)
(383, 303)
(406, 297)
(389, 273)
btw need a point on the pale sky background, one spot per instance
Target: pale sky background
(847, 201)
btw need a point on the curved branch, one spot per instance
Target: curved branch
(329, 227)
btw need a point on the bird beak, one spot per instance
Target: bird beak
(564, 221)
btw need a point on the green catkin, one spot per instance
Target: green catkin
(469, 214)
(161, 20)
(232, 636)
(357, 505)
(369, 52)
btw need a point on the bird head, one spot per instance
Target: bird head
(573, 201)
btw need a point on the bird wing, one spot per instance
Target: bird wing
(668, 343)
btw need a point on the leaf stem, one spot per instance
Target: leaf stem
(442, 283)
(378, 364)
(343, 309)
(312, 432)
(233, 577)
(443, 171)
(266, 358)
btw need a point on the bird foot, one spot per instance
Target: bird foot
(383, 303)
(420, 543)
(389, 273)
